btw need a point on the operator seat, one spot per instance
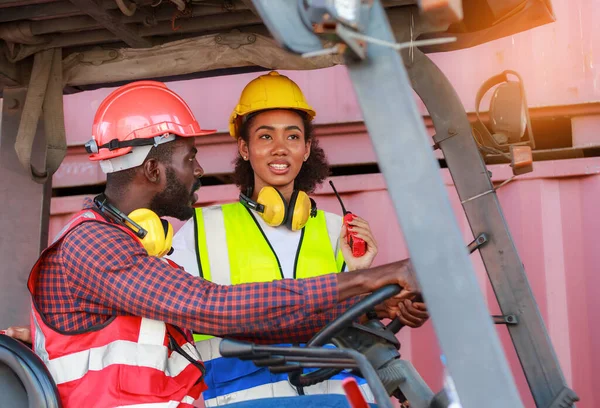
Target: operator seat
(24, 379)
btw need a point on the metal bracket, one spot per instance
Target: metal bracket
(506, 319)
(97, 56)
(566, 398)
(480, 241)
(336, 25)
(235, 39)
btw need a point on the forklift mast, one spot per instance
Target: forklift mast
(383, 80)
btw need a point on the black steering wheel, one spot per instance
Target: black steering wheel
(328, 333)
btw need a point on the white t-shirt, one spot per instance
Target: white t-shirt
(283, 241)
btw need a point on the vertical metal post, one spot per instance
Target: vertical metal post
(460, 316)
(24, 215)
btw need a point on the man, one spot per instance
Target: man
(107, 317)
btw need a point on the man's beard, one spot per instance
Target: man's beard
(174, 200)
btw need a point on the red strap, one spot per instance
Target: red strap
(173, 264)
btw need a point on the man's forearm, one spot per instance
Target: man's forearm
(251, 310)
(305, 329)
(175, 297)
(298, 322)
(148, 287)
(350, 284)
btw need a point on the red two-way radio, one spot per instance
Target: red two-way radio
(358, 245)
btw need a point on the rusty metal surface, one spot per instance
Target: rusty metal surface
(66, 23)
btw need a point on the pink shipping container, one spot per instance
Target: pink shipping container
(552, 216)
(552, 212)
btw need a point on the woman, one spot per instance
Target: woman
(273, 232)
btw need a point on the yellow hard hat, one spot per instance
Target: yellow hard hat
(269, 91)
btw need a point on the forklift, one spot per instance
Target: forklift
(61, 47)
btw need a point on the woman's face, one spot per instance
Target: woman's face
(276, 148)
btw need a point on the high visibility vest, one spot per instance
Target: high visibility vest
(128, 361)
(232, 249)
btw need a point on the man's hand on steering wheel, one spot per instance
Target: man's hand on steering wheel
(408, 305)
(400, 273)
(411, 313)
(360, 282)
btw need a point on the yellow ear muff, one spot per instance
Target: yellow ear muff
(159, 237)
(275, 212)
(300, 208)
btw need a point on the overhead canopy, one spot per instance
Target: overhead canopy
(113, 41)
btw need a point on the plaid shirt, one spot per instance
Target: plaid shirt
(98, 271)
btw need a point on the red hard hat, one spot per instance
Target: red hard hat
(135, 117)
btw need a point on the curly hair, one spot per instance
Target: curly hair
(312, 174)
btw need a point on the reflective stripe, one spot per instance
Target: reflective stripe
(283, 389)
(209, 349)
(39, 339)
(334, 228)
(216, 244)
(217, 270)
(74, 366)
(171, 404)
(152, 332)
(190, 350)
(213, 251)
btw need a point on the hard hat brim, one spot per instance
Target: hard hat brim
(236, 119)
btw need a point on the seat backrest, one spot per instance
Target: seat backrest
(24, 379)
